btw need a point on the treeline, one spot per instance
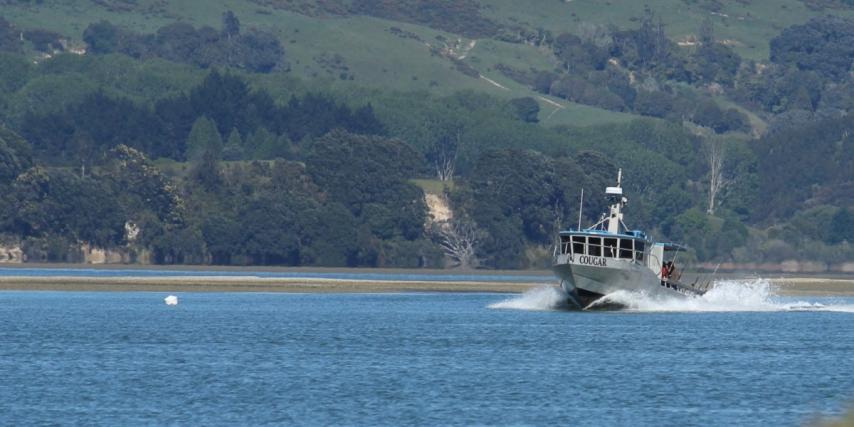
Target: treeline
(262, 213)
(260, 128)
(253, 50)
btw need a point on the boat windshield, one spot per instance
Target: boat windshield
(608, 247)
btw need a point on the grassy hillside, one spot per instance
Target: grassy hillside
(750, 24)
(340, 51)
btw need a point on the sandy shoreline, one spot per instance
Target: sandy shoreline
(783, 286)
(813, 286)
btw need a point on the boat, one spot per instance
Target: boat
(608, 257)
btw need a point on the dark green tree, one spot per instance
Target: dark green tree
(526, 109)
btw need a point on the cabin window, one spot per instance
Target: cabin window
(594, 246)
(639, 247)
(626, 248)
(578, 245)
(610, 247)
(564, 244)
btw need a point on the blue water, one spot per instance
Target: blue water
(411, 359)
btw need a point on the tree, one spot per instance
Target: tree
(842, 227)
(656, 103)
(204, 150)
(230, 24)
(715, 156)
(15, 72)
(102, 37)
(459, 239)
(578, 55)
(709, 114)
(15, 155)
(443, 154)
(204, 140)
(369, 175)
(9, 37)
(140, 187)
(274, 148)
(543, 81)
(258, 142)
(258, 51)
(526, 109)
(178, 41)
(44, 40)
(233, 149)
(225, 99)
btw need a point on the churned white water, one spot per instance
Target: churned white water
(725, 295)
(542, 298)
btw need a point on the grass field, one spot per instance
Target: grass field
(433, 186)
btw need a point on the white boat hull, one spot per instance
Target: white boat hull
(585, 284)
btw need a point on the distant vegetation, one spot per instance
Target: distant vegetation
(461, 17)
(252, 50)
(190, 144)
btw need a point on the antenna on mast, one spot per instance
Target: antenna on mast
(580, 208)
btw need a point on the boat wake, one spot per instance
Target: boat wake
(542, 298)
(724, 296)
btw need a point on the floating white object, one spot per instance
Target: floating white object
(171, 300)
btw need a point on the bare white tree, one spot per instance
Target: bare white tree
(716, 154)
(459, 240)
(444, 155)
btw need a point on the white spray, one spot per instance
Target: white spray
(724, 295)
(541, 298)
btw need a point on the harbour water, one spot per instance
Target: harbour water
(739, 357)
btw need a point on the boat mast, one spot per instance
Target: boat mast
(615, 197)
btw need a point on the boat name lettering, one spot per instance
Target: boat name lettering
(591, 260)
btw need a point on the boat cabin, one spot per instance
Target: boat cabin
(631, 246)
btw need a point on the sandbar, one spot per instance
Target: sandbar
(818, 286)
(252, 284)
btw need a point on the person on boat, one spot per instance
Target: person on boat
(666, 270)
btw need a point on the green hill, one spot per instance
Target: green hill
(352, 48)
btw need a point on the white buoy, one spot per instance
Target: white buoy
(171, 300)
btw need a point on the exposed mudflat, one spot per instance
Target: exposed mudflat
(251, 283)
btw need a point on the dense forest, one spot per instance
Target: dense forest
(194, 144)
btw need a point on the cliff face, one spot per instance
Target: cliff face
(440, 209)
(11, 254)
(17, 251)
(96, 255)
